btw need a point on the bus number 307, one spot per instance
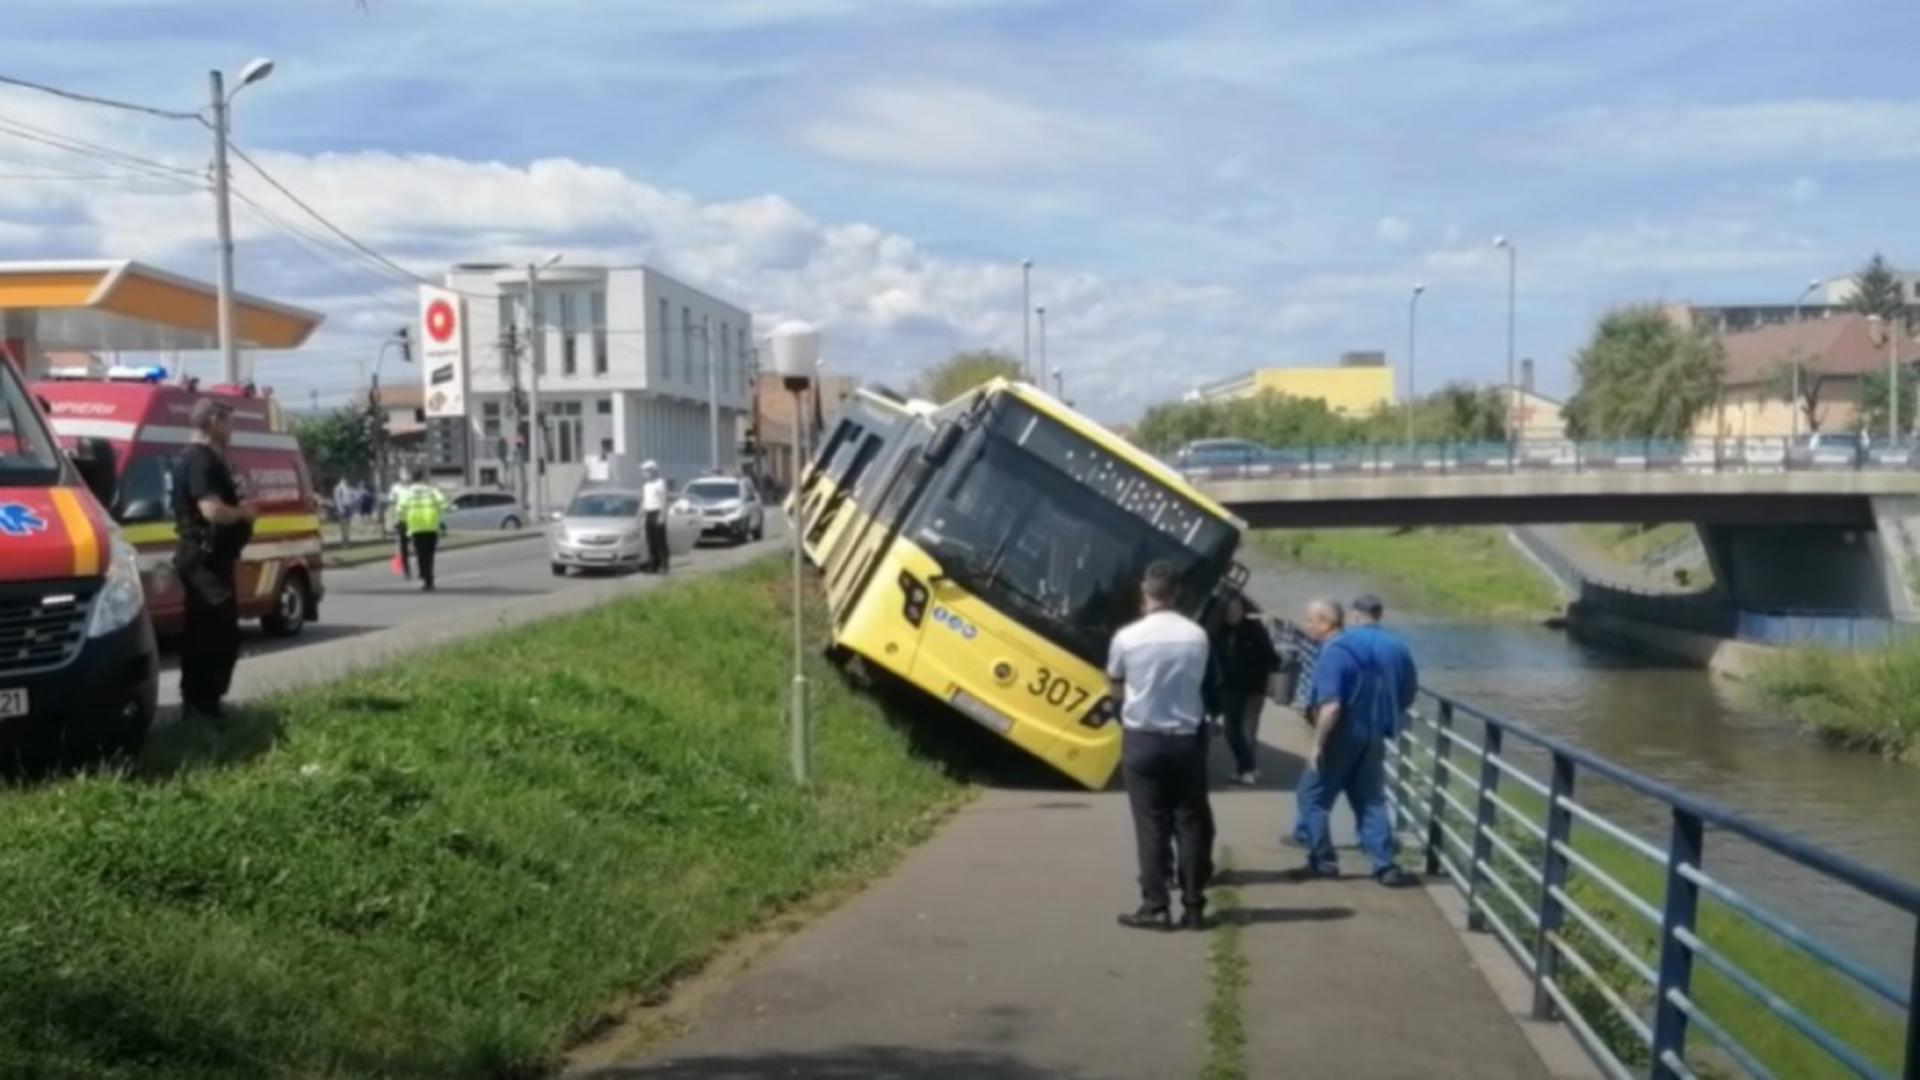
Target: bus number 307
(1057, 690)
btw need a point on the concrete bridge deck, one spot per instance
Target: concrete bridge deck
(993, 952)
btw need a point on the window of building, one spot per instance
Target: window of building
(604, 406)
(569, 341)
(566, 435)
(490, 419)
(606, 448)
(726, 367)
(489, 475)
(686, 343)
(597, 311)
(666, 339)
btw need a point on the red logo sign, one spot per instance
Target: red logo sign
(440, 320)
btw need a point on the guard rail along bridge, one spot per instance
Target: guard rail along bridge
(1601, 884)
(1785, 528)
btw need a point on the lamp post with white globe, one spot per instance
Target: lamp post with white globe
(795, 348)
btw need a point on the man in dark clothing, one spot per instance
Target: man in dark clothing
(214, 525)
(1244, 656)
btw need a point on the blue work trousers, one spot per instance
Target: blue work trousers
(1356, 768)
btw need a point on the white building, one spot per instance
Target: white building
(1837, 291)
(624, 372)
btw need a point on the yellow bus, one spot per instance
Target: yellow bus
(993, 548)
(851, 457)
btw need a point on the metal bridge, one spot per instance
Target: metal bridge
(1630, 939)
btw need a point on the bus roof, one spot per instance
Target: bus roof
(1113, 444)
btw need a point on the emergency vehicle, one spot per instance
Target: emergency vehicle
(79, 672)
(145, 421)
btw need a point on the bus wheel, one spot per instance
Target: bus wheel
(291, 608)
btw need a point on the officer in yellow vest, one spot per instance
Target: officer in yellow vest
(420, 510)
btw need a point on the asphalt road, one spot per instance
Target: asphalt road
(363, 599)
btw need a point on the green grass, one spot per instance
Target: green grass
(1469, 572)
(1227, 969)
(452, 867)
(1862, 701)
(1832, 1000)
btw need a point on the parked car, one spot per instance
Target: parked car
(728, 507)
(602, 529)
(1830, 449)
(482, 510)
(1227, 455)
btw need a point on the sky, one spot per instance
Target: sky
(1204, 186)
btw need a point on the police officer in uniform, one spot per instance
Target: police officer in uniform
(214, 525)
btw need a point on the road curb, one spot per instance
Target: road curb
(323, 662)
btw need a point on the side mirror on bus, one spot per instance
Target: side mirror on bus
(93, 459)
(942, 445)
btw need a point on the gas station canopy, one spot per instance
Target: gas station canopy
(122, 305)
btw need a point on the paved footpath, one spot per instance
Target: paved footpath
(992, 952)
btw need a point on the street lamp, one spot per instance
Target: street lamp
(1413, 315)
(1793, 418)
(223, 212)
(537, 429)
(1877, 325)
(795, 347)
(1059, 385)
(1026, 318)
(1513, 274)
(1040, 373)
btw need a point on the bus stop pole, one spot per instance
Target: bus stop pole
(801, 751)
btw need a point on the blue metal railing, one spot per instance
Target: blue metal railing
(1753, 455)
(1480, 817)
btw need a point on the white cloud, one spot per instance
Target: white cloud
(952, 128)
(1804, 190)
(1801, 131)
(1393, 230)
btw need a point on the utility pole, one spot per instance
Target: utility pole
(713, 398)
(223, 224)
(1026, 319)
(536, 429)
(517, 458)
(1040, 373)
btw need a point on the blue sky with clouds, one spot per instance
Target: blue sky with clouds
(1204, 187)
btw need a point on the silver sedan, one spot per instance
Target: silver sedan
(602, 529)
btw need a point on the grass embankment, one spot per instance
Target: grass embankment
(1860, 701)
(1471, 572)
(1833, 1001)
(453, 867)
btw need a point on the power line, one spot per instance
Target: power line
(74, 95)
(20, 129)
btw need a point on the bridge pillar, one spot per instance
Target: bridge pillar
(1806, 568)
(1897, 534)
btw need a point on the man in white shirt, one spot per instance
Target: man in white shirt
(1158, 665)
(653, 509)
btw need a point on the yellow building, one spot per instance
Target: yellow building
(1356, 387)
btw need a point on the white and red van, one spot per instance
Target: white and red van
(79, 671)
(145, 421)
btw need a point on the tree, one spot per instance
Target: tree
(1457, 412)
(1872, 417)
(336, 444)
(963, 371)
(1644, 376)
(1800, 386)
(1876, 291)
(1271, 419)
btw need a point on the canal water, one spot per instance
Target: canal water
(1688, 729)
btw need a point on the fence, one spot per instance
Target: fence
(1761, 455)
(1704, 613)
(1555, 881)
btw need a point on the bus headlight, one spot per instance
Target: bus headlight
(915, 606)
(121, 598)
(1104, 712)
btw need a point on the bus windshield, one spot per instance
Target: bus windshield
(28, 455)
(1056, 533)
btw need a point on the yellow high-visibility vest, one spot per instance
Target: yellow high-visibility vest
(421, 508)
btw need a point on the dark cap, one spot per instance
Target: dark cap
(1368, 604)
(206, 411)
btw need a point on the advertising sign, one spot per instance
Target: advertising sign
(443, 352)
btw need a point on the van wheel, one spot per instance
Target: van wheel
(760, 529)
(511, 522)
(292, 606)
(559, 570)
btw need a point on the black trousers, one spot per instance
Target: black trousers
(657, 553)
(425, 545)
(1166, 778)
(210, 645)
(406, 563)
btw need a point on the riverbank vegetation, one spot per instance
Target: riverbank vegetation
(453, 867)
(1861, 701)
(1467, 572)
(1454, 413)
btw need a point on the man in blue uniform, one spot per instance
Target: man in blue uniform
(1354, 707)
(1395, 659)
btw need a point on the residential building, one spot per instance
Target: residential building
(1841, 290)
(631, 361)
(1361, 383)
(1823, 300)
(1832, 356)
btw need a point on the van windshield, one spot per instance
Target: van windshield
(28, 454)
